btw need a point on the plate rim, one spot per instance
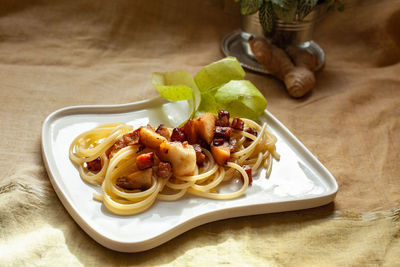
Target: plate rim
(142, 245)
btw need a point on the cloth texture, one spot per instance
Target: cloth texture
(55, 54)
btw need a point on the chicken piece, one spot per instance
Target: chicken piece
(149, 138)
(181, 156)
(205, 126)
(136, 180)
(163, 131)
(145, 160)
(221, 153)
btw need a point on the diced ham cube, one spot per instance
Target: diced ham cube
(223, 118)
(251, 131)
(128, 139)
(164, 170)
(200, 157)
(178, 135)
(94, 165)
(237, 124)
(223, 132)
(248, 170)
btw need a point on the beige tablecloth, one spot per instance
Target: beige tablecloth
(55, 54)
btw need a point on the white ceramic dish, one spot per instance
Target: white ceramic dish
(297, 181)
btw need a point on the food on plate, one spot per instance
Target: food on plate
(299, 77)
(135, 167)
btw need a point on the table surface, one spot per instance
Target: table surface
(58, 54)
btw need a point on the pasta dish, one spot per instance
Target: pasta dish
(135, 167)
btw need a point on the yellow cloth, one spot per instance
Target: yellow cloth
(60, 53)
(39, 232)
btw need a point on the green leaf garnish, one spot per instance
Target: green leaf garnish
(208, 103)
(218, 73)
(241, 98)
(176, 86)
(218, 85)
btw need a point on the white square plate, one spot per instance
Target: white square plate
(297, 181)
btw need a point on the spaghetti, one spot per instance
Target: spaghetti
(137, 167)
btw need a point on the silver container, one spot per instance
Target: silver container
(295, 33)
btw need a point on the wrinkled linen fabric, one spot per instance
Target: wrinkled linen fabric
(55, 54)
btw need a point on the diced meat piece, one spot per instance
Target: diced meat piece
(164, 170)
(247, 169)
(221, 153)
(223, 132)
(223, 118)
(223, 113)
(136, 180)
(238, 124)
(218, 141)
(126, 183)
(206, 126)
(252, 131)
(204, 144)
(178, 135)
(149, 138)
(163, 131)
(190, 131)
(128, 139)
(94, 165)
(181, 155)
(200, 157)
(145, 160)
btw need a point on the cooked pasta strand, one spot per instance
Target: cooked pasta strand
(256, 151)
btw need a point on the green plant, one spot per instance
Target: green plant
(284, 10)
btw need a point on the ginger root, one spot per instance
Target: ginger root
(302, 58)
(299, 79)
